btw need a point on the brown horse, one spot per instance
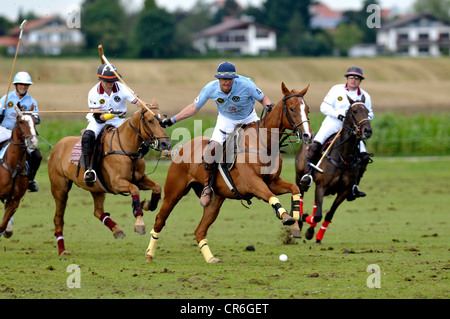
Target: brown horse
(13, 172)
(340, 167)
(122, 169)
(256, 172)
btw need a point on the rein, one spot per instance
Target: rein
(355, 131)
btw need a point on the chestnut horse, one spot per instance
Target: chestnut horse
(340, 166)
(122, 169)
(256, 170)
(13, 171)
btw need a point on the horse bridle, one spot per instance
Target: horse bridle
(356, 124)
(296, 130)
(153, 141)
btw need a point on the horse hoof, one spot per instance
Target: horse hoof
(64, 252)
(214, 260)
(295, 233)
(149, 259)
(309, 234)
(288, 221)
(8, 234)
(139, 229)
(318, 242)
(119, 234)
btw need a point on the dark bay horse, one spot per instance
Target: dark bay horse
(13, 171)
(340, 166)
(256, 170)
(122, 169)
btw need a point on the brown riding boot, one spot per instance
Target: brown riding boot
(210, 166)
(208, 192)
(312, 155)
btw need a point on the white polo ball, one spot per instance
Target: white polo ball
(283, 257)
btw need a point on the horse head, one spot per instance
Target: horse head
(296, 112)
(26, 130)
(151, 130)
(357, 118)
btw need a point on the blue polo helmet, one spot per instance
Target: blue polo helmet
(226, 70)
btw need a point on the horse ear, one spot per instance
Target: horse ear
(155, 103)
(363, 98)
(350, 100)
(305, 90)
(284, 89)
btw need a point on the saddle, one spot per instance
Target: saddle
(77, 158)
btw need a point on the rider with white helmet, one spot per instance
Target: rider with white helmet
(8, 117)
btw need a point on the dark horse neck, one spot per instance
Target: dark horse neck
(346, 144)
(14, 158)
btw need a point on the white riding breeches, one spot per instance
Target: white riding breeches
(330, 126)
(225, 126)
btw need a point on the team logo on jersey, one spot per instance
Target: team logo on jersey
(196, 99)
(236, 98)
(220, 100)
(10, 104)
(232, 109)
(339, 98)
(117, 99)
(102, 101)
(258, 91)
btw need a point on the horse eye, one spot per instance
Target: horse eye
(150, 121)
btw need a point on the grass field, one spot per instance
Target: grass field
(402, 226)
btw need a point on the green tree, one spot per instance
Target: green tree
(103, 21)
(439, 8)
(347, 35)
(154, 32)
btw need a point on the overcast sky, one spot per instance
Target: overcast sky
(11, 8)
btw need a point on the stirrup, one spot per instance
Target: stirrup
(304, 183)
(90, 180)
(33, 186)
(211, 196)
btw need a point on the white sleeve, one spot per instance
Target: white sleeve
(328, 105)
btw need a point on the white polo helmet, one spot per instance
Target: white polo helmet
(22, 78)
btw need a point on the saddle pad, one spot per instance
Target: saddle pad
(76, 153)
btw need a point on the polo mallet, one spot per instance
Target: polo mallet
(22, 25)
(103, 59)
(316, 167)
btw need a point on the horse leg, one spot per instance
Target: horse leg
(60, 190)
(123, 186)
(261, 190)
(10, 209)
(174, 190)
(316, 213)
(210, 214)
(99, 212)
(329, 216)
(147, 184)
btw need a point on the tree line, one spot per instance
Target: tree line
(154, 32)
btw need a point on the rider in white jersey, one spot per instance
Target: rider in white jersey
(334, 106)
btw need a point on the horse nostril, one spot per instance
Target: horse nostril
(306, 136)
